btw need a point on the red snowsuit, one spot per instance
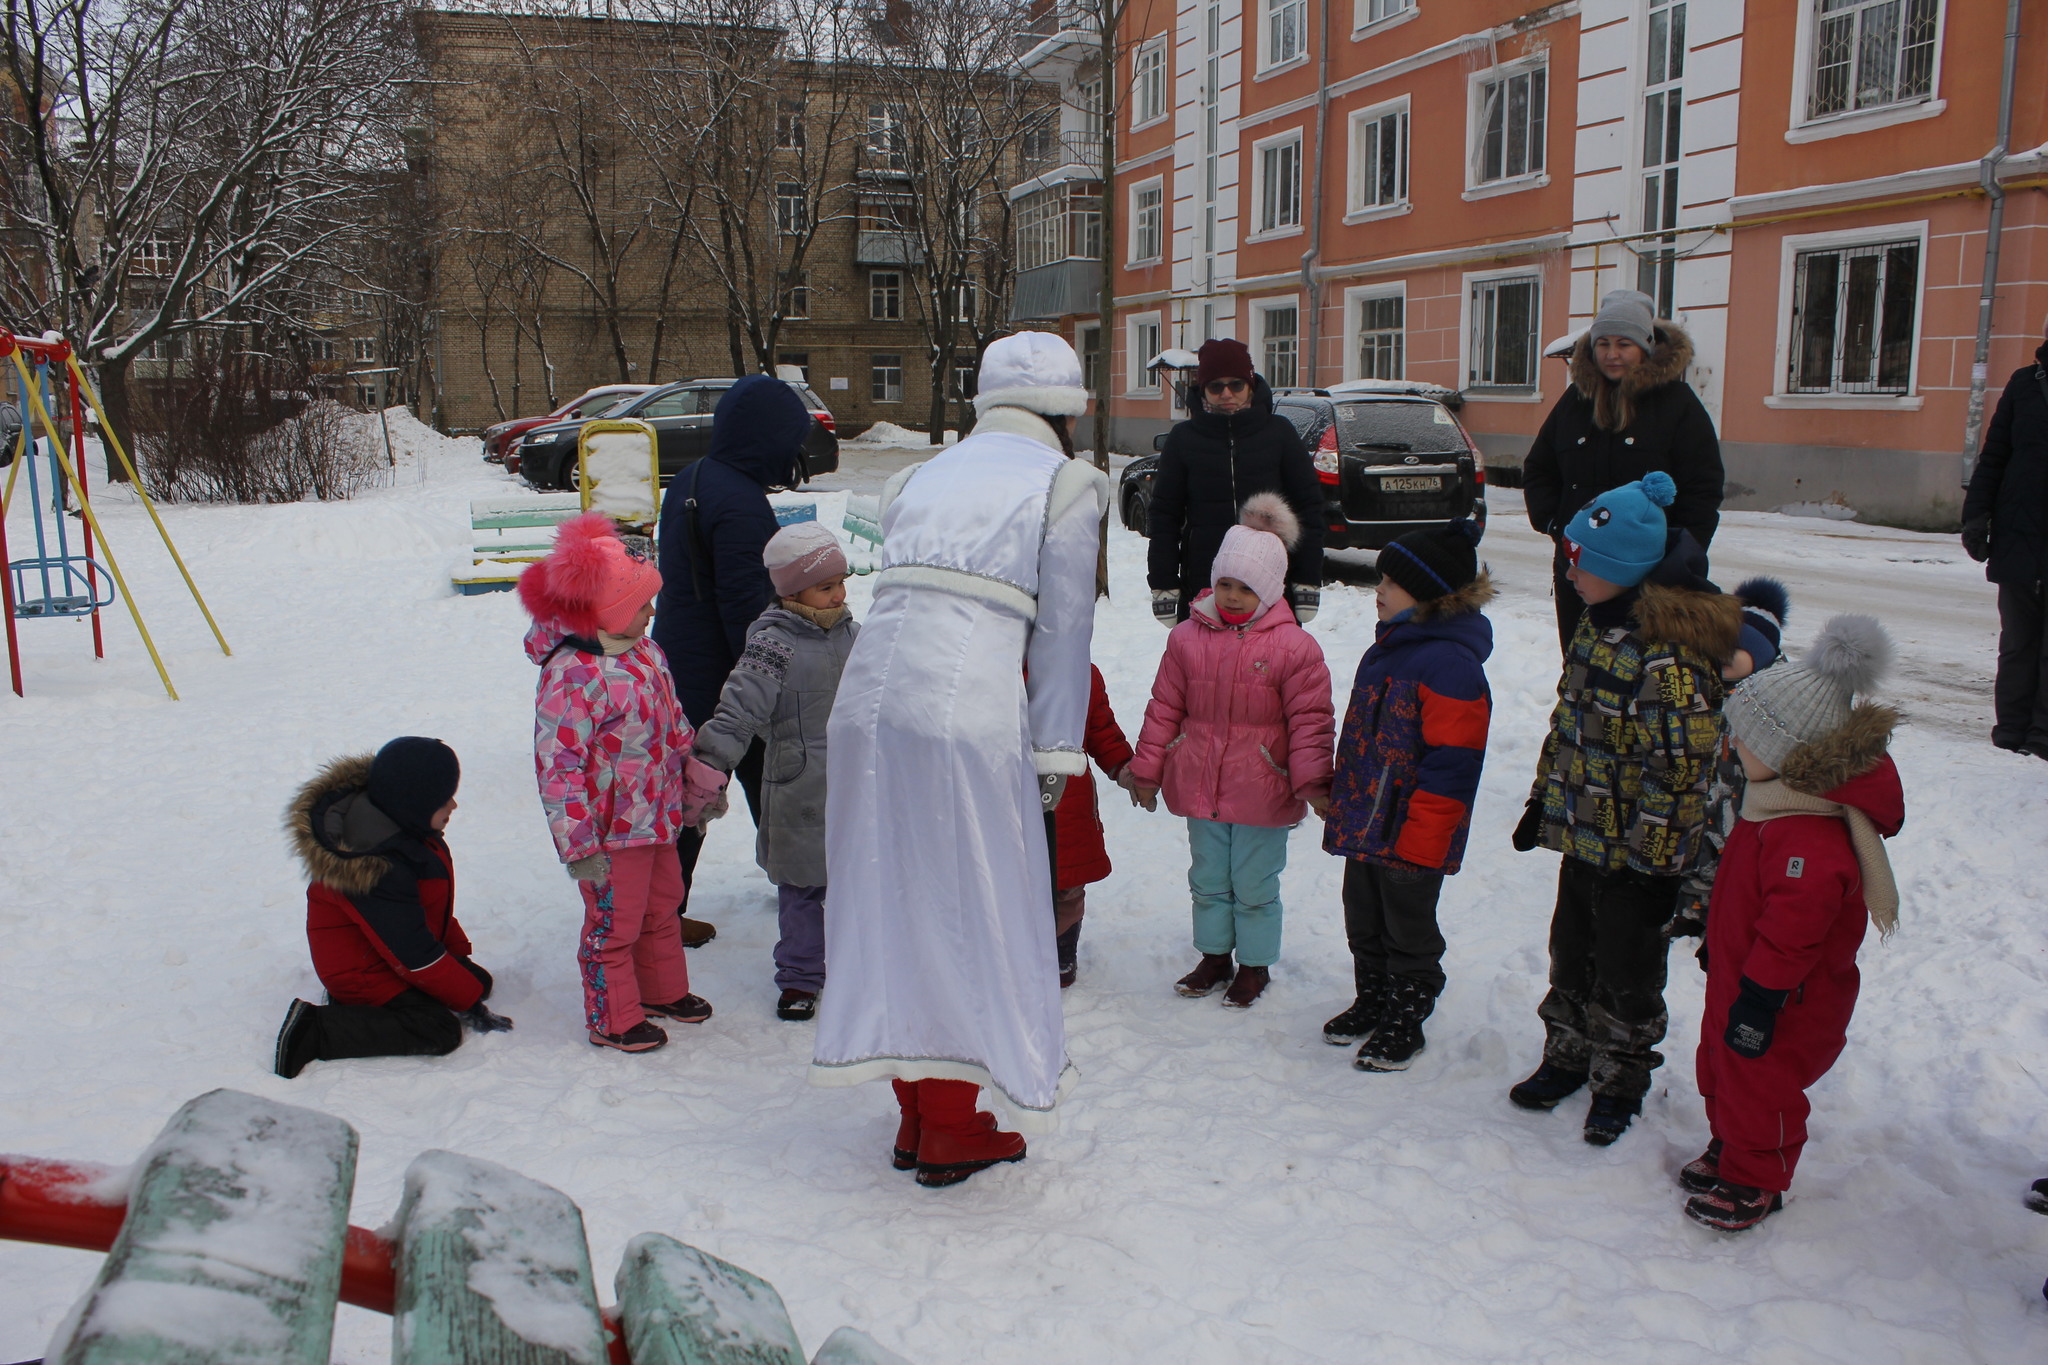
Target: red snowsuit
(1788, 913)
(1077, 819)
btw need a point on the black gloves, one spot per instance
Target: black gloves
(1166, 606)
(1977, 538)
(1752, 1018)
(1529, 829)
(483, 977)
(1305, 600)
(479, 1019)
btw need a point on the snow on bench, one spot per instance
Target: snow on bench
(851, 1346)
(682, 1306)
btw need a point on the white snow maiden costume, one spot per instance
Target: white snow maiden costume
(939, 929)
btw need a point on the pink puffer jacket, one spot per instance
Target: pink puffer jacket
(611, 748)
(1241, 725)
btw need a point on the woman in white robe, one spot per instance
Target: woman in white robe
(940, 963)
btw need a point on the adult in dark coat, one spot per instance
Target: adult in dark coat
(2005, 527)
(715, 522)
(1628, 411)
(1232, 446)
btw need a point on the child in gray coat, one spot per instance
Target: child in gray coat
(782, 688)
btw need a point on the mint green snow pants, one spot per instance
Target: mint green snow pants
(1234, 877)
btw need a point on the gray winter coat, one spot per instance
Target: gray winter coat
(782, 689)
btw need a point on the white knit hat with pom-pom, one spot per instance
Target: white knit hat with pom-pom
(1254, 551)
(1775, 711)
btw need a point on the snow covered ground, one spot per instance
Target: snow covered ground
(1224, 1187)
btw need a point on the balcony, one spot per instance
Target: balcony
(1055, 291)
(1055, 35)
(1047, 152)
(887, 248)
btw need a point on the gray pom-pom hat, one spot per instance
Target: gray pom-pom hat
(1776, 711)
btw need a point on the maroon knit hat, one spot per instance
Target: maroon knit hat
(1223, 358)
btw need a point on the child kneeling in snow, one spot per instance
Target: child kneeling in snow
(1802, 875)
(1408, 766)
(380, 912)
(1238, 733)
(611, 749)
(782, 687)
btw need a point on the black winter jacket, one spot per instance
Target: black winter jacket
(2010, 482)
(1211, 464)
(1653, 421)
(702, 627)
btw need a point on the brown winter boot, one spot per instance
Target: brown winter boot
(954, 1138)
(1215, 969)
(904, 1157)
(1250, 982)
(697, 932)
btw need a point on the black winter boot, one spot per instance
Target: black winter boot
(298, 1041)
(1609, 1118)
(1703, 1172)
(1733, 1208)
(1399, 1037)
(1547, 1087)
(1356, 1024)
(1069, 948)
(2037, 1195)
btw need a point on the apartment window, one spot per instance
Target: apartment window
(1279, 194)
(1144, 345)
(1502, 333)
(885, 378)
(885, 295)
(173, 348)
(1663, 106)
(1041, 224)
(153, 256)
(1379, 158)
(1381, 333)
(966, 300)
(800, 359)
(1088, 99)
(1853, 312)
(1148, 213)
(789, 124)
(887, 139)
(792, 209)
(1148, 82)
(1088, 341)
(796, 296)
(1278, 348)
(1373, 11)
(1286, 30)
(965, 384)
(1870, 53)
(320, 348)
(364, 348)
(1509, 124)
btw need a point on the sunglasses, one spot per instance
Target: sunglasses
(1225, 386)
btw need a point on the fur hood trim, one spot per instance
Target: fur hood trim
(1472, 597)
(1614, 405)
(349, 872)
(1708, 623)
(1851, 750)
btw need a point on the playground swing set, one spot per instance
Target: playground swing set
(58, 581)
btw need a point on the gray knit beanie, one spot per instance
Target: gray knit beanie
(1776, 710)
(1626, 313)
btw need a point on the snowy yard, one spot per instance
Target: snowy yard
(1224, 1186)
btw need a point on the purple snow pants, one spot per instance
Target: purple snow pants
(800, 952)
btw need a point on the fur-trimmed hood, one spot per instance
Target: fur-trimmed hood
(1708, 623)
(336, 830)
(1823, 766)
(1472, 597)
(1614, 405)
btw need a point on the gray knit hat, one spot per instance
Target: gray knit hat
(1776, 710)
(1626, 313)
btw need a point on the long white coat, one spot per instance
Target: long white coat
(938, 919)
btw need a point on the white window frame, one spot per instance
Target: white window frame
(1262, 309)
(1084, 334)
(1356, 210)
(792, 211)
(1475, 128)
(1138, 380)
(1790, 248)
(1151, 83)
(876, 294)
(796, 296)
(1270, 59)
(1533, 393)
(1353, 332)
(1256, 206)
(1803, 127)
(1132, 237)
(874, 370)
(1391, 12)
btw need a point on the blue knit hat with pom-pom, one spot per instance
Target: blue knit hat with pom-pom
(1435, 561)
(1620, 535)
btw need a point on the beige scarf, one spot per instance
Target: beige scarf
(1773, 799)
(820, 617)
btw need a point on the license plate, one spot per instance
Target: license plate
(1409, 483)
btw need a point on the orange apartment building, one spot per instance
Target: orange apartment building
(1435, 189)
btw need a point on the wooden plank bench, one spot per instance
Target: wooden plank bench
(863, 522)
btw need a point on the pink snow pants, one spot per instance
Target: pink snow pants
(632, 945)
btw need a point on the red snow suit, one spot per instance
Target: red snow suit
(1077, 819)
(1788, 913)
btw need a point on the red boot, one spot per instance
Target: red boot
(904, 1158)
(954, 1138)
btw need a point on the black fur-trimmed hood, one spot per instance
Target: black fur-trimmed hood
(1614, 405)
(337, 831)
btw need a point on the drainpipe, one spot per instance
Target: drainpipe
(1987, 176)
(1313, 257)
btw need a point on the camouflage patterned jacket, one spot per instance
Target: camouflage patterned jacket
(1626, 767)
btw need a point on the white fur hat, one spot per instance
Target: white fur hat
(1033, 370)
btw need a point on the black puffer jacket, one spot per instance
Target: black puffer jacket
(1211, 464)
(2010, 482)
(1601, 436)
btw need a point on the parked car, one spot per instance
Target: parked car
(680, 414)
(503, 438)
(1392, 457)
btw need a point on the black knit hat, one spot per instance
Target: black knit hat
(1435, 562)
(411, 778)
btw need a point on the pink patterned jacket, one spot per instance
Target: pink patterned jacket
(611, 748)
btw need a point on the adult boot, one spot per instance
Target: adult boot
(954, 1138)
(904, 1157)
(1215, 969)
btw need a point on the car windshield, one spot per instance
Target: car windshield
(616, 406)
(1400, 428)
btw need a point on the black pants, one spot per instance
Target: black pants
(1570, 606)
(411, 1024)
(1605, 1011)
(2020, 695)
(1390, 922)
(690, 843)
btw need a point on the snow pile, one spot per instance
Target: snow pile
(619, 468)
(889, 434)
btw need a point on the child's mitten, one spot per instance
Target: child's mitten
(703, 789)
(1752, 1018)
(1529, 829)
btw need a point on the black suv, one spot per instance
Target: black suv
(681, 417)
(1392, 458)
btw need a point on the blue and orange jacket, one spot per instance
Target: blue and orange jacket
(1414, 738)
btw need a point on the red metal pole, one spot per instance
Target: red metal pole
(92, 583)
(7, 574)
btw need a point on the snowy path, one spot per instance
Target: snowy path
(1224, 1187)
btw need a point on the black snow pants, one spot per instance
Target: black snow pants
(2020, 694)
(1390, 923)
(410, 1024)
(1604, 1014)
